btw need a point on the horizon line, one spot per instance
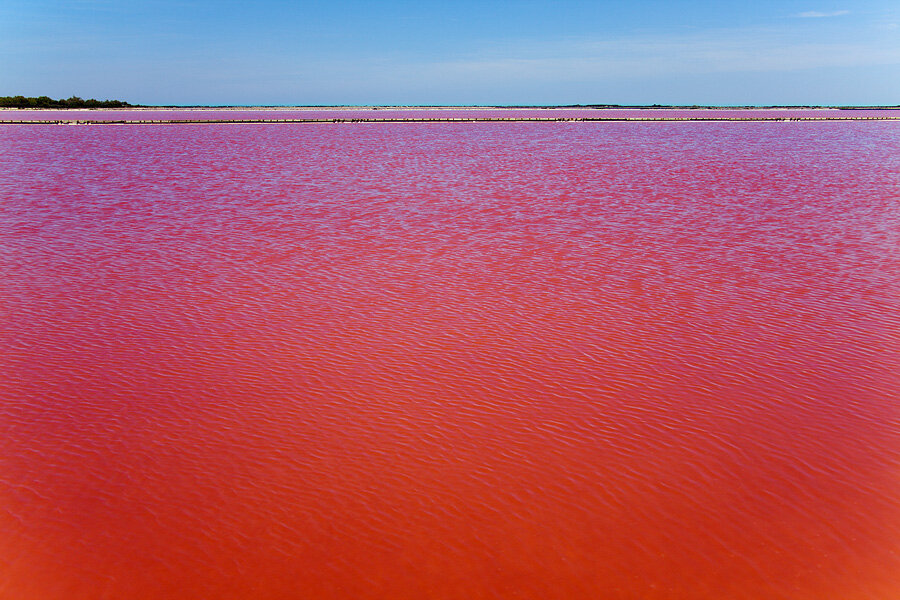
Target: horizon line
(486, 106)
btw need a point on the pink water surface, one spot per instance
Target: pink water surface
(453, 361)
(223, 114)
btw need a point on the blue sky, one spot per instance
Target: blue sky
(464, 52)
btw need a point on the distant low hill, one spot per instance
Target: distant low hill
(46, 102)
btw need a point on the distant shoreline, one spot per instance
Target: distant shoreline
(146, 115)
(456, 107)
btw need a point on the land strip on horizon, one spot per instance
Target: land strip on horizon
(438, 120)
(703, 113)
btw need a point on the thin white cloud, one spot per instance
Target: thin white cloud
(652, 57)
(815, 14)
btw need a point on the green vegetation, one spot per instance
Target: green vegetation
(45, 102)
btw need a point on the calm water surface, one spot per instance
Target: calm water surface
(456, 361)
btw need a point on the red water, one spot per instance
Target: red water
(493, 360)
(150, 114)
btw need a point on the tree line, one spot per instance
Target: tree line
(47, 102)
